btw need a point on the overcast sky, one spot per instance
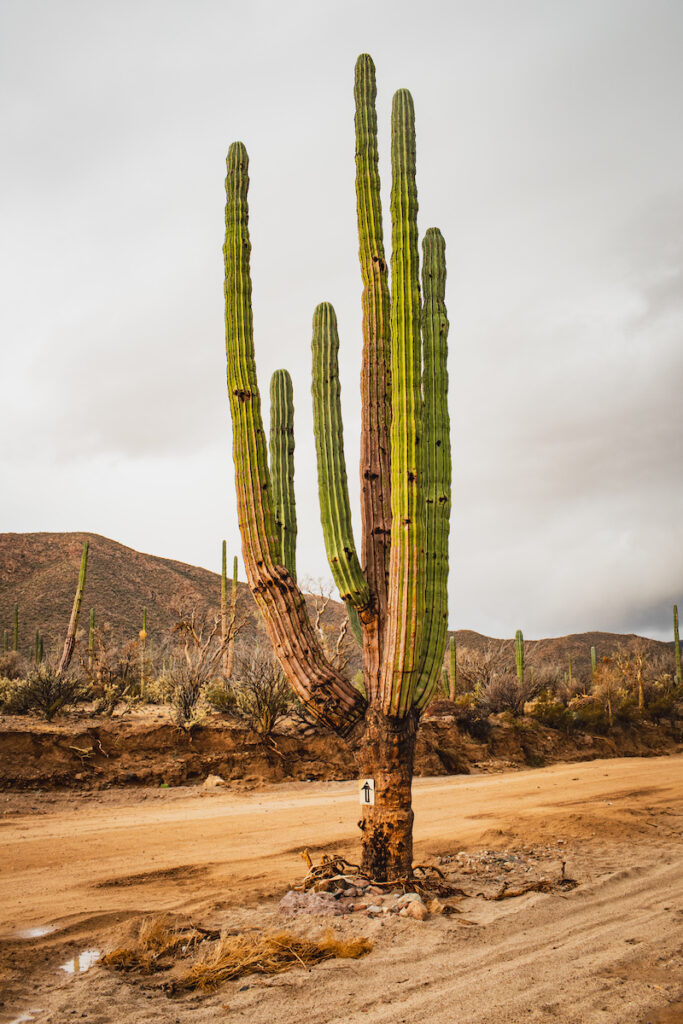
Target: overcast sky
(550, 154)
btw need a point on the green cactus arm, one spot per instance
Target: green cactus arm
(282, 464)
(406, 564)
(677, 647)
(335, 511)
(70, 641)
(328, 695)
(436, 456)
(376, 306)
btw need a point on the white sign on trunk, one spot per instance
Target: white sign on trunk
(367, 792)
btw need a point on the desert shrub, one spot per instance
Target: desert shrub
(48, 692)
(12, 665)
(589, 714)
(471, 717)
(502, 693)
(263, 694)
(221, 697)
(549, 710)
(13, 697)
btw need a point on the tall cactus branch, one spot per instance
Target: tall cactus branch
(376, 306)
(282, 465)
(333, 491)
(70, 641)
(436, 462)
(327, 694)
(406, 579)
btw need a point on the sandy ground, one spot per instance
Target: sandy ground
(91, 865)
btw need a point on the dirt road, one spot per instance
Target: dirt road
(611, 950)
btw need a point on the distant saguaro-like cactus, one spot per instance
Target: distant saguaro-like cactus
(396, 588)
(519, 656)
(70, 641)
(594, 662)
(15, 639)
(677, 647)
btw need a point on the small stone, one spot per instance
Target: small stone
(410, 897)
(213, 782)
(375, 909)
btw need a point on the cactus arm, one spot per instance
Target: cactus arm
(335, 511)
(677, 647)
(376, 306)
(406, 576)
(282, 465)
(328, 695)
(70, 641)
(436, 455)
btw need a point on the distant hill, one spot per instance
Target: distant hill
(40, 571)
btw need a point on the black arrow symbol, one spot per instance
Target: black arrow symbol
(366, 792)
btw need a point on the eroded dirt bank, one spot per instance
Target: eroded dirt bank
(611, 950)
(146, 748)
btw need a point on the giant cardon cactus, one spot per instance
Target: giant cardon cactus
(395, 587)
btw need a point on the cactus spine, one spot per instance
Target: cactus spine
(15, 639)
(677, 647)
(519, 656)
(70, 641)
(397, 588)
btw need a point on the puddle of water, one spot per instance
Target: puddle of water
(34, 933)
(81, 962)
(25, 1017)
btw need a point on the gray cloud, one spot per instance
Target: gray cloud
(549, 152)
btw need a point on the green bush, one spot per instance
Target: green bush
(589, 714)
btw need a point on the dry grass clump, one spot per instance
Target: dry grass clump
(158, 937)
(237, 955)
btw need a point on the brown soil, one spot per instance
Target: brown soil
(92, 864)
(146, 748)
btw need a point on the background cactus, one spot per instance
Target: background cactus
(70, 641)
(452, 670)
(228, 617)
(15, 638)
(519, 656)
(143, 651)
(594, 662)
(397, 588)
(677, 647)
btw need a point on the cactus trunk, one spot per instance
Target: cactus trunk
(15, 639)
(396, 591)
(282, 465)
(677, 647)
(70, 641)
(594, 662)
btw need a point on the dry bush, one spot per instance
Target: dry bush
(47, 692)
(196, 663)
(237, 955)
(158, 937)
(477, 668)
(12, 665)
(263, 694)
(505, 693)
